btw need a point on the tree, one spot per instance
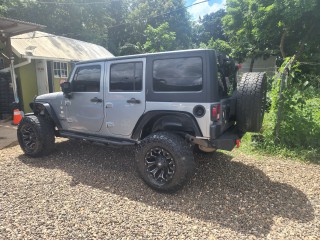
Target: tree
(116, 24)
(87, 22)
(284, 27)
(155, 13)
(212, 26)
(159, 39)
(218, 45)
(130, 49)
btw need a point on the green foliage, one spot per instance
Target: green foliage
(299, 130)
(130, 49)
(210, 27)
(159, 39)
(218, 45)
(259, 27)
(154, 13)
(283, 28)
(83, 22)
(116, 25)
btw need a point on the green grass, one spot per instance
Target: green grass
(253, 148)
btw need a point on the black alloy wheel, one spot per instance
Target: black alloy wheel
(164, 161)
(160, 165)
(29, 138)
(36, 135)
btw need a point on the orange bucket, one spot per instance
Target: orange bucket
(16, 116)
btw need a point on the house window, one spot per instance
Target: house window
(60, 69)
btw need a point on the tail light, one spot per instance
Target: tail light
(238, 141)
(215, 112)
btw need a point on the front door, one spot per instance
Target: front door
(85, 107)
(125, 95)
(42, 76)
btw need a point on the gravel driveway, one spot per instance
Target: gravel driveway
(84, 191)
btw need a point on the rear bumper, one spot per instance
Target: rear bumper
(227, 141)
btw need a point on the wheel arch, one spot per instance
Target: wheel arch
(154, 121)
(45, 109)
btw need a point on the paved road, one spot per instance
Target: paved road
(85, 191)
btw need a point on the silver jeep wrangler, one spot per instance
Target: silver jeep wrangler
(167, 104)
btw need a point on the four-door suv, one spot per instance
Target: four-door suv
(168, 104)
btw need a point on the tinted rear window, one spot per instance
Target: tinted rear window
(177, 75)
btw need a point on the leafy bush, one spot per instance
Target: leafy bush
(299, 131)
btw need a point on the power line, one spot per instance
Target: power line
(145, 19)
(121, 24)
(73, 3)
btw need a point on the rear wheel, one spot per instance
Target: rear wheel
(36, 136)
(251, 101)
(165, 161)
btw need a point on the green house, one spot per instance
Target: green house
(43, 61)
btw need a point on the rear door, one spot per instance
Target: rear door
(124, 95)
(85, 108)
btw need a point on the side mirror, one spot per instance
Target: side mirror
(66, 87)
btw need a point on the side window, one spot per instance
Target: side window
(126, 77)
(87, 79)
(177, 75)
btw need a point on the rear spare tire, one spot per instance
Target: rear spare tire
(36, 136)
(251, 101)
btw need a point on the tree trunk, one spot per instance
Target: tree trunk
(283, 36)
(251, 64)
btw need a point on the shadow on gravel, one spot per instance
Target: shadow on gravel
(226, 192)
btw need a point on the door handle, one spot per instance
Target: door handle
(134, 101)
(95, 99)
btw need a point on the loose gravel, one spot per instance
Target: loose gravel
(84, 191)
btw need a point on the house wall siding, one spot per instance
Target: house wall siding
(28, 83)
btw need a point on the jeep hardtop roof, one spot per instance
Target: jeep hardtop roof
(147, 55)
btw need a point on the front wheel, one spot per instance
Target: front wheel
(36, 136)
(165, 161)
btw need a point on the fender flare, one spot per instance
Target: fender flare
(165, 120)
(41, 108)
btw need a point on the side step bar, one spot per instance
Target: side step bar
(99, 139)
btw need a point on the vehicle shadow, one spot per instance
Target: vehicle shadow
(232, 194)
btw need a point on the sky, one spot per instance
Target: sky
(202, 9)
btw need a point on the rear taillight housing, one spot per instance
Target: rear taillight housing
(215, 112)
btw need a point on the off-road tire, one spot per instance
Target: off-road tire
(251, 101)
(176, 149)
(36, 135)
